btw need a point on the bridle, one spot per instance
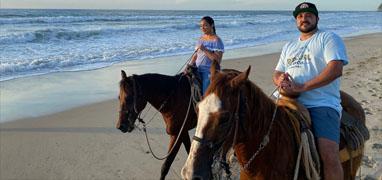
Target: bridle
(137, 93)
(217, 146)
(235, 118)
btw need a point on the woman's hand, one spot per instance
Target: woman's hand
(212, 55)
(202, 48)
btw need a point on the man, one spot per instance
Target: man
(311, 66)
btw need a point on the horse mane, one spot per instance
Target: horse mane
(160, 81)
(263, 106)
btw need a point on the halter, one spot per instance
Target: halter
(235, 118)
(135, 97)
(136, 89)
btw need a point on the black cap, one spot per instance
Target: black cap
(305, 7)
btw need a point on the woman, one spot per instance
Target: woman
(209, 48)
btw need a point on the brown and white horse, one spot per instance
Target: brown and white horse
(236, 113)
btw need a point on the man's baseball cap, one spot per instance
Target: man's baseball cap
(305, 7)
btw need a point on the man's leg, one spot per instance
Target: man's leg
(329, 152)
(326, 129)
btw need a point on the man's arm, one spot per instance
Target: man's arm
(332, 71)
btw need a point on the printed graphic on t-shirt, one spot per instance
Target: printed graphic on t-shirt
(299, 59)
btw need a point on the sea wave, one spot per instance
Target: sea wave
(44, 41)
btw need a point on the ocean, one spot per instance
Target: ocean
(55, 60)
(35, 42)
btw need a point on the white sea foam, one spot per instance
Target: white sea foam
(45, 41)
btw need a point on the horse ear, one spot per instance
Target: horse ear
(213, 70)
(241, 78)
(123, 74)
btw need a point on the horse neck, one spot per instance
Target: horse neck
(261, 111)
(256, 127)
(157, 88)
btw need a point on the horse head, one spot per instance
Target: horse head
(215, 128)
(131, 102)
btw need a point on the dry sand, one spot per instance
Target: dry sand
(82, 143)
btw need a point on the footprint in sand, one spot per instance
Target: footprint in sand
(368, 111)
(364, 102)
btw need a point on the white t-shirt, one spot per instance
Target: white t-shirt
(304, 60)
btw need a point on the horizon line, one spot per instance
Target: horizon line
(22, 8)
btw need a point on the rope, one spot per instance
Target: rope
(177, 138)
(311, 171)
(297, 167)
(160, 108)
(265, 140)
(308, 148)
(164, 102)
(189, 59)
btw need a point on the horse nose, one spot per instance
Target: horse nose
(123, 128)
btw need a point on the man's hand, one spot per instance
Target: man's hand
(288, 86)
(283, 77)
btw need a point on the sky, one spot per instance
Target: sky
(347, 5)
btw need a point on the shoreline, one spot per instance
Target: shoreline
(93, 86)
(83, 143)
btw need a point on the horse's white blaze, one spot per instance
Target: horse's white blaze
(187, 168)
(208, 105)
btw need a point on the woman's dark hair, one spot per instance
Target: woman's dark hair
(210, 21)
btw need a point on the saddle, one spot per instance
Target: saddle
(353, 131)
(195, 81)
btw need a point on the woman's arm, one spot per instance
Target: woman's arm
(193, 59)
(213, 55)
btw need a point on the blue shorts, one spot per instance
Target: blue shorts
(325, 123)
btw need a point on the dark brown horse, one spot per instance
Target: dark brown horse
(236, 113)
(168, 94)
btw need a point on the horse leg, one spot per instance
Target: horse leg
(350, 171)
(186, 141)
(167, 163)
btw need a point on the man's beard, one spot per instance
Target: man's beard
(309, 29)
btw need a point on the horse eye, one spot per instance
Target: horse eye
(224, 117)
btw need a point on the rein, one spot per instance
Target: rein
(160, 108)
(265, 140)
(168, 97)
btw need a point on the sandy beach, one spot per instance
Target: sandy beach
(82, 143)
